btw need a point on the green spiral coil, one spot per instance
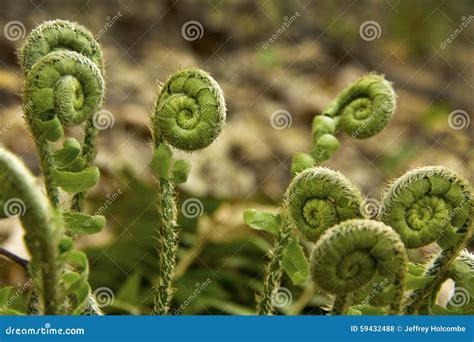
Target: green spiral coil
(350, 255)
(362, 110)
(189, 114)
(427, 204)
(190, 110)
(63, 86)
(59, 35)
(319, 198)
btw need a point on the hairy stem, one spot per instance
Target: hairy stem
(191, 254)
(89, 151)
(396, 305)
(46, 162)
(168, 246)
(273, 272)
(189, 115)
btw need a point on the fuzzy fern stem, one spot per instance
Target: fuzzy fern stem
(273, 272)
(189, 115)
(168, 245)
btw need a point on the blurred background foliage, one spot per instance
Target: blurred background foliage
(307, 64)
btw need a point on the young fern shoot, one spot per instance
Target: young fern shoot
(350, 255)
(430, 204)
(317, 199)
(64, 87)
(362, 110)
(189, 115)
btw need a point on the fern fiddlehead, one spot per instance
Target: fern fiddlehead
(64, 87)
(189, 115)
(350, 255)
(315, 200)
(319, 198)
(43, 227)
(190, 111)
(426, 205)
(362, 110)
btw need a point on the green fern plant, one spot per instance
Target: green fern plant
(363, 264)
(189, 115)
(64, 87)
(362, 110)
(431, 204)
